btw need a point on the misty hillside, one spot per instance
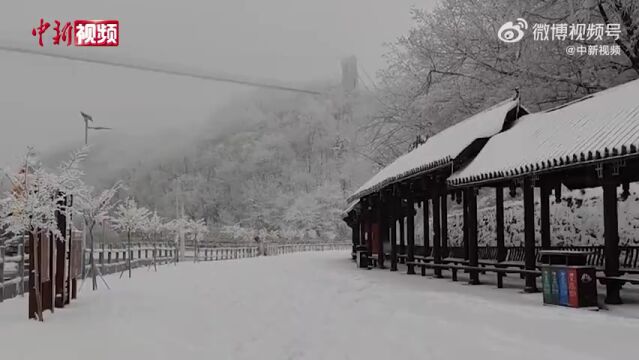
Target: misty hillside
(278, 162)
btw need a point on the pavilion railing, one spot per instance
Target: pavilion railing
(628, 254)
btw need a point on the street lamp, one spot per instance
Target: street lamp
(88, 118)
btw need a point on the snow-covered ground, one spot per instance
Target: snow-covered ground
(310, 306)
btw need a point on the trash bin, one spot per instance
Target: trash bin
(567, 280)
(362, 258)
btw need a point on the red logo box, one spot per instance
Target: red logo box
(96, 32)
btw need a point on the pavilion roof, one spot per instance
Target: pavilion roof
(351, 206)
(597, 127)
(442, 148)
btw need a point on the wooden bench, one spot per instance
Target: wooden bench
(628, 260)
(620, 279)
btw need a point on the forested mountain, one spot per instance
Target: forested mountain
(280, 163)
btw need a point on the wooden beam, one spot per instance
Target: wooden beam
(544, 195)
(499, 217)
(529, 234)
(611, 241)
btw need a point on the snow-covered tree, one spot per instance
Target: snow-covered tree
(178, 229)
(94, 209)
(30, 208)
(197, 229)
(130, 219)
(152, 229)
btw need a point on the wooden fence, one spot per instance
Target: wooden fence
(14, 278)
(230, 253)
(13, 274)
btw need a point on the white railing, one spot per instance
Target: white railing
(14, 277)
(231, 253)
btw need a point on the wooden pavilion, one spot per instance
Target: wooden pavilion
(591, 142)
(387, 201)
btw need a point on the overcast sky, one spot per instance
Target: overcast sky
(293, 41)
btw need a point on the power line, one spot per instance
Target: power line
(163, 69)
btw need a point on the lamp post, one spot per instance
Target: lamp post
(87, 118)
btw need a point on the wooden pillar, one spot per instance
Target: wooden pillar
(369, 231)
(473, 249)
(402, 233)
(382, 224)
(544, 195)
(2, 260)
(444, 224)
(499, 217)
(465, 224)
(426, 227)
(437, 255)
(529, 234)
(362, 229)
(394, 206)
(611, 241)
(410, 234)
(355, 236)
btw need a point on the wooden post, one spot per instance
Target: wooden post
(402, 233)
(465, 224)
(426, 226)
(473, 249)
(392, 215)
(369, 230)
(410, 233)
(382, 224)
(544, 195)
(437, 254)
(529, 234)
(444, 224)
(611, 241)
(499, 217)
(2, 259)
(355, 235)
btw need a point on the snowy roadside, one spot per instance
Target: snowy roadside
(310, 306)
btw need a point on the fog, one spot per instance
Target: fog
(289, 41)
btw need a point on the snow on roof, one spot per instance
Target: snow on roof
(596, 127)
(440, 149)
(351, 206)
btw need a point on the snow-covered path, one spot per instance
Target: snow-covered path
(309, 306)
